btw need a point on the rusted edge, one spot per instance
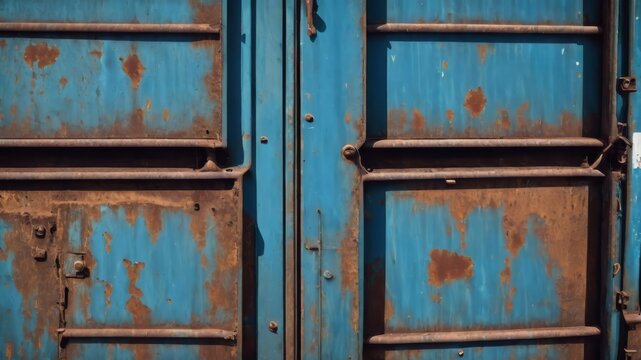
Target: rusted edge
(115, 174)
(109, 27)
(481, 28)
(632, 318)
(471, 143)
(484, 335)
(481, 173)
(148, 333)
(91, 143)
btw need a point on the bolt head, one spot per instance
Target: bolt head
(461, 353)
(263, 139)
(273, 326)
(349, 151)
(40, 231)
(79, 265)
(309, 117)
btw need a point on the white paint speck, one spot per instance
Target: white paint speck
(578, 63)
(442, 74)
(636, 150)
(393, 58)
(563, 51)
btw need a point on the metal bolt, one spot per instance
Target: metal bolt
(263, 139)
(40, 231)
(461, 353)
(328, 275)
(309, 117)
(39, 254)
(349, 151)
(79, 265)
(625, 83)
(273, 326)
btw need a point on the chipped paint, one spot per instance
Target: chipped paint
(40, 53)
(134, 69)
(448, 266)
(475, 102)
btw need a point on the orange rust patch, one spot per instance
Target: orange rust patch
(397, 120)
(509, 304)
(3, 43)
(139, 311)
(506, 274)
(108, 239)
(9, 350)
(204, 13)
(437, 298)
(153, 222)
(483, 50)
(148, 104)
(13, 110)
(134, 69)
(1, 116)
(445, 64)
(211, 83)
(418, 121)
(96, 53)
(521, 118)
(348, 117)
(515, 229)
(246, 136)
(108, 292)
(446, 266)
(63, 81)
(450, 115)
(475, 102)
(165, 115)
(40, 53)
(504, 121)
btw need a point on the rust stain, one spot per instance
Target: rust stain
(1, 116)
(570, 124)
(139, 311)
(475, 102)
(515, 230)
(153, 222)
(446, 266)
(212, 83)
(148, 104)
(134, 69)
(437, 298)
(3, 43)
(198, 231)
(205, 13)
(483, 50)
(506, 274)
(13, 110)
(40, 53)
(63, 82)
(108, 292)
(504, 121)
(397, 120)
(450, 115)
(108, 239)
(9, 350)
(348, 118)
(96, 53)
(509, 304)
(348, 251)
(445, 64)
(165, 115)
(521, 117)
(418, 121)
(246, 136)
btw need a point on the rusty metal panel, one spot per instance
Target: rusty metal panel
(135, 258)
(103, 82)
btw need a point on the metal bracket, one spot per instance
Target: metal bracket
(627, 84)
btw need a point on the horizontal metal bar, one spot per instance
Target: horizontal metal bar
(632, 318)
(55, 143)
(481, 173)
(484, 335)
(108, 27)
(148, 333)
(474, 143)
(482, 28)
(118, 174)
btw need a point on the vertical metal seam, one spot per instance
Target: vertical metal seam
(297, 183)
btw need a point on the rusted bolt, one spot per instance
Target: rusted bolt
(39, 253)
(450, 182)
(309, 117)
(625, 83)
(461, 353)
(40, 231)
(79, 265)
(273, 326)
(328, 275)
(349, 151)
(263, 139)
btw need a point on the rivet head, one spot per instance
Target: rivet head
(79, 265)
(349, 151)
(263, 139)
(328, 275)
(461, 353)
(273, 326)
(40, 231)
(309, 117)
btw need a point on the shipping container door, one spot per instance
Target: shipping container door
(452, 179)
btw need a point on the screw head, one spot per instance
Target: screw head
(309, 117)
(461, 353)
(625, 83)
(328, 275)
(263, 139)
(349, 151)
(273, 326)
(40, 231)
(79, 265)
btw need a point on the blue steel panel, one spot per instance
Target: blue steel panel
(572, 12)
(128, 11)
(516, 350)
(471, 86)
(332, 86)
(468, 259)
(111, 87)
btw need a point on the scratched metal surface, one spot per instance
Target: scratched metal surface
(111, 85)
(156, 258)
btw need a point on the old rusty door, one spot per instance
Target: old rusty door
(124, 144)
(458, 202)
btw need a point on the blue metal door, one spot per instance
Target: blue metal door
(460, 175)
